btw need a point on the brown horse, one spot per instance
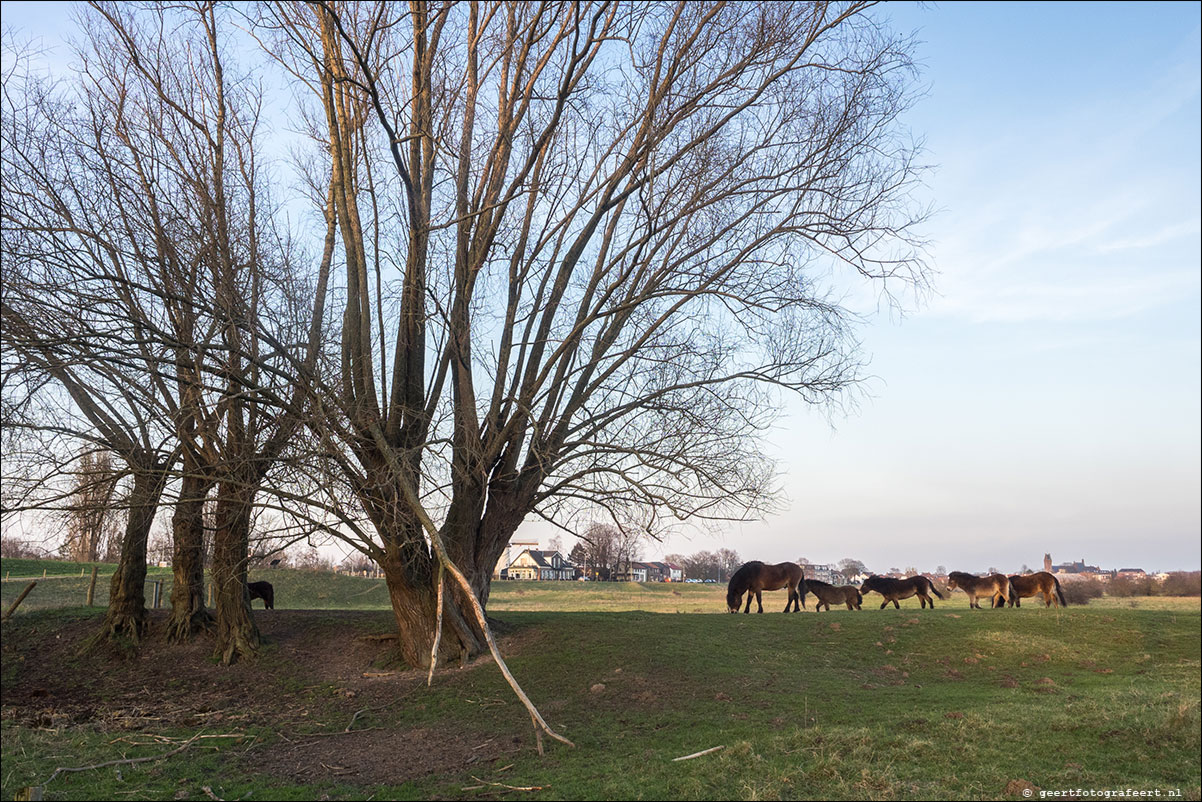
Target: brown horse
(1041, 582)
(755, 576)
(827, 593)
(894, 589)
(995, 586)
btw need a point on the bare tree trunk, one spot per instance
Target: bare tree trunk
(412, 579)
(237, 633)
(188, 612)
(126, 617)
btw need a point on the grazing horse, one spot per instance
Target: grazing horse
(827, 593)
(995, 586)
(755, 576)
(262, 590)
(1041, 582)
(894, 589)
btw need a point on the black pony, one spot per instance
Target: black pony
(262, 590)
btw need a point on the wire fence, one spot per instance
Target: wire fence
(87, 588)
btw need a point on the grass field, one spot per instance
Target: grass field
(877, 704)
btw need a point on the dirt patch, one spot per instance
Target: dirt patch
(319, 672)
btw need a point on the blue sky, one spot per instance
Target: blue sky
(1046, 397)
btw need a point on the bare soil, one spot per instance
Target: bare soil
(324, 684)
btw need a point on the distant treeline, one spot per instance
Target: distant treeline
(1177, 583)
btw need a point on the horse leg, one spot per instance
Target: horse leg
(747, 609)
(896, 606)
(759, 601)
(885, 604)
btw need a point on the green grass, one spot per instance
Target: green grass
(908, 704)
(303, 590)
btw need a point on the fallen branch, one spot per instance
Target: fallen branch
(209, 793)
(445, 562)
(512, 787)
(437, 629)
(129, 761)
(699, 754)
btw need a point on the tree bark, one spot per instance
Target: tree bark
(126, 617)
(237, 633)
(412, 581)
(188, 612)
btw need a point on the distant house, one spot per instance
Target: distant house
(533, 564)
(514, 547)
(662, 572)
(632, 572)
(823, 573)
(1131, 573)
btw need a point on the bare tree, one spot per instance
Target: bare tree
(728, 562)
(139, 205)
(578, 242)
(92, 516)
(850, 567)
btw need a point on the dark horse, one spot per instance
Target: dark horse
(827, 593)
(995, 586)
(262, 590)
(1041, 582)
(753, 577)
(894, 589)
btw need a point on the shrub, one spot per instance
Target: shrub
(1125, 586)
(1080, 591)
(1182, 583)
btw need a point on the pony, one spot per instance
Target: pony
(827, 593)
(755, 576)
(261, 590)
(894, 589)
(1041, 582)
(995, 586)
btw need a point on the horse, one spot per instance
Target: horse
(755, 576)
(996, 586)
(261, 590)
(827, 593)
(894, 589)
(1040, 582)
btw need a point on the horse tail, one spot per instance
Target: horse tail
(1059, 592)
(934, 590)
(1010, 592)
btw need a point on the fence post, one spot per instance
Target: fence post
(92, 585)
(210, 601)
(9, 612)
(158, 592)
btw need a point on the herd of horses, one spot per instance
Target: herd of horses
(755, 577)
